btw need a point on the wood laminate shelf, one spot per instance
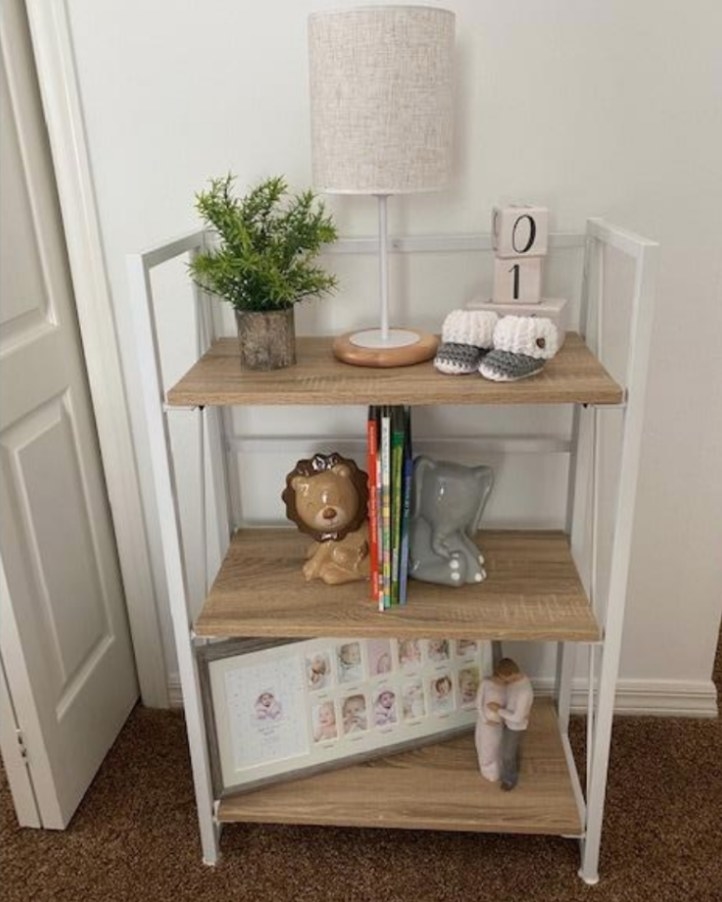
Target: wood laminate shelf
(437, 787)
(574, 375)
(532, 592)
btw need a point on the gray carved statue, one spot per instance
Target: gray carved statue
(448, 500)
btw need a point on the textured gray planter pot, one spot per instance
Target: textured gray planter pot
(267, 340)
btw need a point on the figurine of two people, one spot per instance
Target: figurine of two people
(503, 703)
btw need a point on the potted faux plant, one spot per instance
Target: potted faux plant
(263, 262)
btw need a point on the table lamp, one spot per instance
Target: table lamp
(381, 80)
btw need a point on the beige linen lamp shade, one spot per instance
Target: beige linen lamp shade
(381, 99)
(381, 81)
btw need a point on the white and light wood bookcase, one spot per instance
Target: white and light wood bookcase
(533, 593)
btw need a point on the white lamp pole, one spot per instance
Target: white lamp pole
(383, 267)
(381, 81)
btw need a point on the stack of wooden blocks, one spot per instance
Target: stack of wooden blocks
(519, 238)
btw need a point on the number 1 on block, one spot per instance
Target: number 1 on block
(517, 280)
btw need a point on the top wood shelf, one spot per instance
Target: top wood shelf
(574, 376)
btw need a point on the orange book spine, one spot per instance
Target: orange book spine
(373, 509)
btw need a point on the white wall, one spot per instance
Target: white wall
(611, 109)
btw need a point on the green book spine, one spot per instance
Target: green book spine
(406, 508)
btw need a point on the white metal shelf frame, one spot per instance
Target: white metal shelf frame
(644, 253)
(583, 480)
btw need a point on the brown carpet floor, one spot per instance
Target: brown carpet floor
(134, 837)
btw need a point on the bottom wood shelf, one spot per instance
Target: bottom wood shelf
(437, 787)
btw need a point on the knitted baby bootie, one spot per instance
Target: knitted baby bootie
(466, 336)
(522, 345)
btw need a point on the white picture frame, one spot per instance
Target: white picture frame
(283, 709)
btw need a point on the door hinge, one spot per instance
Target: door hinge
(23, 748)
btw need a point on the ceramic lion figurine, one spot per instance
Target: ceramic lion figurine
(326, 497)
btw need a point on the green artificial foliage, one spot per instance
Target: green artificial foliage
(267, 242)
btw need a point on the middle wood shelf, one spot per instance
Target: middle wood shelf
(532, 592)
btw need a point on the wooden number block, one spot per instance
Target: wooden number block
(517, 280)
(520, 231)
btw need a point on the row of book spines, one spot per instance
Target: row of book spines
(390, 470)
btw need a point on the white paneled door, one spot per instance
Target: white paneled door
(69, 675)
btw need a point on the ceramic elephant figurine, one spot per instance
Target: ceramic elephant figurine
(448, 500)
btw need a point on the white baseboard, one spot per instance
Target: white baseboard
(175, 693)
(667, 698)
(654, 698)
(650, 698)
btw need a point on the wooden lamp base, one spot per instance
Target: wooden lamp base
(402, 347)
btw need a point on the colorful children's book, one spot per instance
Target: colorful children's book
(386, 506)
(372, 436)
(379, 525)
(408, 473)
(397, 467)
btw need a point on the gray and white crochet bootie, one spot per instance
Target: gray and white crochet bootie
(466, 336)
(522, 345)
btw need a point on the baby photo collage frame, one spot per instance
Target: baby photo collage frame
(281, 710)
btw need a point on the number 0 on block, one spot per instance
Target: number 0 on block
(519, 231)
